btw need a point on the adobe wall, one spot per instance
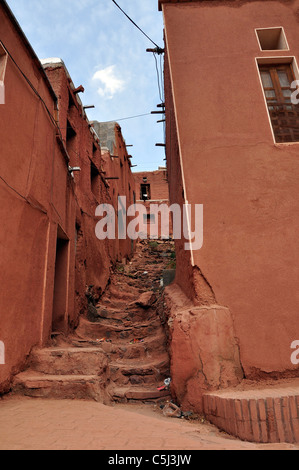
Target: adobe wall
(230, 164)
(159, 196)
(184, 271)
(158, 182)
(116, 163)
(51, 263)
(94, 257)
(37, 195)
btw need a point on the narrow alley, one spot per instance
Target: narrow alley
(100, 388)
(119, 350)
(148, 250)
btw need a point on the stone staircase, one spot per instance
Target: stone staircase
(66, 373)
(119, 351)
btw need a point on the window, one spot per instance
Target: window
(272, 39)
(276, 81)
(145, 192)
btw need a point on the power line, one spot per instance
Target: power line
(131, 117)
(130, 19)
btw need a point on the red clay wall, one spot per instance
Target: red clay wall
(184, 271)
(230, 164)
(158, 182)
(119, 181)
(51, 263)
(37, 195)
(159, 194)
(94, 257)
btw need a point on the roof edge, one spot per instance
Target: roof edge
(28, 46)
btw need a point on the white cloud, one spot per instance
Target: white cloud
(111, 84)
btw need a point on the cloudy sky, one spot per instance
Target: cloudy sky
(105, 53)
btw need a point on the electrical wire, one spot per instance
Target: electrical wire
(130, 19)
(23, 197)
(125, 119)
(160, 77)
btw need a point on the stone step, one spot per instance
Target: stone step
(257, 413)
(106, 330)
(125, 394)
(103, 311)
(125, 350)
(152, 371)
(79, 387)
(117, 293)
(131, 313)
(69, 361)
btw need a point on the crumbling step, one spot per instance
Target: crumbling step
(257, 414)
(141, 372)
(124, 394)
(101, 330)
(130, 313)
(69, 361)
(141, 348)
(79, 387)
(117, 293)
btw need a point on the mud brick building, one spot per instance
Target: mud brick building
(117, 164)
(51, 262)
(151, 187)
(232, 145)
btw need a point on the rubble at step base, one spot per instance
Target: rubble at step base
(257, 413)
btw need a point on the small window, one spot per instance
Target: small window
(276, 80)
(272, 39)
(145, 192)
